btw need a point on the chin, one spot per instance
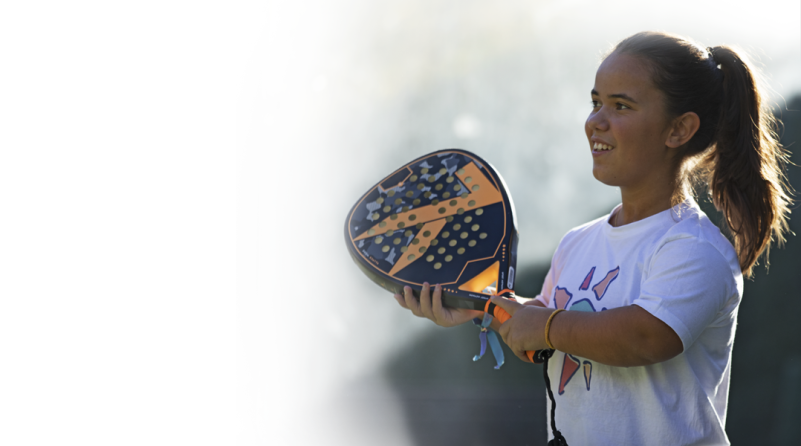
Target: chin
(605, 179)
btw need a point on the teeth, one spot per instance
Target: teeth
(599, 146)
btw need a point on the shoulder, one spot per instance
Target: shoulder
(695, 247)
(692, 279)
(694, 231)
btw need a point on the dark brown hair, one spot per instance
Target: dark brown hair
(735, 153)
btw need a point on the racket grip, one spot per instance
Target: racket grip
(502, 316)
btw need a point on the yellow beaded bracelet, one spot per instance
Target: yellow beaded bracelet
(548, 328)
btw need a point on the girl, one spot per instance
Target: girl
(643, 355)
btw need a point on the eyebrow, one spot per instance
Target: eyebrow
(616, 95)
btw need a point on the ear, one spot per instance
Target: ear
(682, 130)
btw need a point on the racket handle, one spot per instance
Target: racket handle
(502, 316)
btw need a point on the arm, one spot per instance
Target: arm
(625, 337)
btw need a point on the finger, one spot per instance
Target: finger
(436, 302)
(425, 301)
(522, 355)
(510, 306)
(504, 330)
(401, 301)
(411, 302)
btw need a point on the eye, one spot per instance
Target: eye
(595, 104)
(621, 106)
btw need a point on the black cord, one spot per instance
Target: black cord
(558, 439)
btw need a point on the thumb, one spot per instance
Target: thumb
(509, 305)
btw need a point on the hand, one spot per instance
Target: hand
(525, 330)
(431, 307)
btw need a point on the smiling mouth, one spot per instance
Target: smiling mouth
(599, 147)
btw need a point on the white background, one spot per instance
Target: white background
(174, 178)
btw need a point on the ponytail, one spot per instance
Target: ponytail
(735, 151)
(745, 171)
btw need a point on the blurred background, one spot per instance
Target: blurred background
(174, 180)
(364, 87)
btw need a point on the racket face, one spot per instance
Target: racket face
(443, 218)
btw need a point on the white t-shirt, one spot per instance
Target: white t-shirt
(678, 267)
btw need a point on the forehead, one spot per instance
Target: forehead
(625, 74)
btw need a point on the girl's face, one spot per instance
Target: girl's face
(628, 127)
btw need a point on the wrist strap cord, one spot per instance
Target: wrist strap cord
(489, 335)
(558, 439)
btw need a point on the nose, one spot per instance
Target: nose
(597, 121)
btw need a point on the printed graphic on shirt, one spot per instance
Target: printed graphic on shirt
(600, 288)
(587, 373)
(587, 280)
(563, 298)
(569, 368)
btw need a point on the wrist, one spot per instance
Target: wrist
(548, 326)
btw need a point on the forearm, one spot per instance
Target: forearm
(624, 337)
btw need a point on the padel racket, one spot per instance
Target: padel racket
(444, 218)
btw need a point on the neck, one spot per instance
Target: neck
(643, 203)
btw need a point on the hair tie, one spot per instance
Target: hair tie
(715, 63)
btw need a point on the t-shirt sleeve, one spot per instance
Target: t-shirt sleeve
(547, 288)
(687, 285)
